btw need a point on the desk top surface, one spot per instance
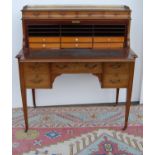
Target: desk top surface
(76, 55)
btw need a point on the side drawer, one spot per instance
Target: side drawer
(116, 67)
(115, 80)
(34, 67)
(76, 68)
(37, 80)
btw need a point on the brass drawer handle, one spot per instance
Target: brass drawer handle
(61, 66)
(90, 66)
(116, 66)
(115, 81)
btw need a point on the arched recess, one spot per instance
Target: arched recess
(99, 76)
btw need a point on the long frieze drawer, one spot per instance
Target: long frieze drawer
(37, 80)
(48, 45)
(44, 39)
(107, 45)
(76, 39)
(34, 67)
(116, 67)
(76, 68)
(115, 80)
(76, 45)
(108, 39)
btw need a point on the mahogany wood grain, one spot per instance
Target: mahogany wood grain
(116, 80)
(129, 93)
(76, 68)
(23, 93)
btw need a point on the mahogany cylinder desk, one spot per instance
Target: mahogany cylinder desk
(76, 39)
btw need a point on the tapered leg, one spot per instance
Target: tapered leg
(23, 94)
(117, 96)
(129, 93)
(127, 108)
(34, 98)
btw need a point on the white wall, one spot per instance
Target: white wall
(85, 88)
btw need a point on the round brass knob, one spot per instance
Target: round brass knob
(76, 39)
(44, 45)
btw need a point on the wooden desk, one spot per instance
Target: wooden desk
(61, 39)
(114, 69)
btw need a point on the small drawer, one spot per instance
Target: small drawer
(107, 45)
(35, 14)
(53, 14)
(34, 67)
(115, 80)
(62, 14)
(76, 45)
(76, 68)
(116, 67)
(49, 45)
(108, 39)
(76, 39)
(44, 39)
(37, 80)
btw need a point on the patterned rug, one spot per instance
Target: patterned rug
(86, 130)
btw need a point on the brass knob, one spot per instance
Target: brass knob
(44, 45)
(76, 45)
(44, 39)
(76, 39)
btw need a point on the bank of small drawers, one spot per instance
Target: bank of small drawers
(76, 42)
(116, 75)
